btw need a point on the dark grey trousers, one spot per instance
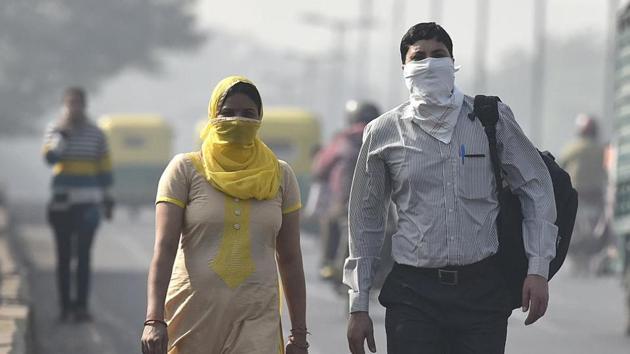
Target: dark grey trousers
(426, 316)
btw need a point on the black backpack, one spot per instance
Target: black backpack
(511, 255)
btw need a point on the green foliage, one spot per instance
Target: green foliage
(46, 45)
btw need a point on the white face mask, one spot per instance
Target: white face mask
(431, 80)
(433, 95)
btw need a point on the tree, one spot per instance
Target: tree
(46, 45)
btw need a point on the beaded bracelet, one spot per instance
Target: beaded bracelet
(150, 322)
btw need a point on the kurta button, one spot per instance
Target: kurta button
(237, 226)
(236, 200)
(237, 212)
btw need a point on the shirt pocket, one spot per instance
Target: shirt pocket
(475, 177)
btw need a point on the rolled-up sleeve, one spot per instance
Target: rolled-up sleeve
(529, 178)
(367, 208)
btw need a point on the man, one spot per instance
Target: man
(77, 150)
(336, 162)
(445, 292)
(584, 161)
(333, 168)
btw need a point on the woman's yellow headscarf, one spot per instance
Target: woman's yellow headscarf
(242, 171)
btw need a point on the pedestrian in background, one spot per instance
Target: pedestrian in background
(446, 292)
(77, 150)
(333, 168)
(583, 159)
(227, 221)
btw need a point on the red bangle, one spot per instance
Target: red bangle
(150, 322)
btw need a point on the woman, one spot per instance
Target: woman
(215, 289)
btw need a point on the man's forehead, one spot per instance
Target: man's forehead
(426, 44)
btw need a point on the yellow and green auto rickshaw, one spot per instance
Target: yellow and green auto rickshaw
(293, 134)
(140, 147)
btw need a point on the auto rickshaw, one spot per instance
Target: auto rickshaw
(140, 147)
(293, 134)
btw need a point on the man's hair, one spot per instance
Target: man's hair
(425, 30)
(248, 90)
(75, 91)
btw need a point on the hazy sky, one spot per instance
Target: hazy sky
(278, 22)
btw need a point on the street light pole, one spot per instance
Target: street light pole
(362, 63)
(436, 10)
(481, 46)
(337, 87)
(538, 72)
(394, 80)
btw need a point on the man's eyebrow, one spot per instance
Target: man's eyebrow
(417, 53)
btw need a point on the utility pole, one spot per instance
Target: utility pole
(538, 72)
(395, 73)
(481, 46)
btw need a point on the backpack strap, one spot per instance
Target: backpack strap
(486, 108)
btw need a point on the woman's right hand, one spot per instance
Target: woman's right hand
(154, 339)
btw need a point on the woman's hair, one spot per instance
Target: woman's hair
(426, 30)
(248, 90)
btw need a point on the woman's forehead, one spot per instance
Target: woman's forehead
(238, 100)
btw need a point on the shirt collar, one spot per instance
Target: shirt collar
(407, 111)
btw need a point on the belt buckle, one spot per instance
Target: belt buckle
(448, 277)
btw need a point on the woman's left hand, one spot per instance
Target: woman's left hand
(294, 349)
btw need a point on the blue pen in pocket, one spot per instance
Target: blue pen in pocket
(462, 152)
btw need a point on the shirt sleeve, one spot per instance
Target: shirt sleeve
(529, 178)
(291, 200)
(369, 198)
(175, 183)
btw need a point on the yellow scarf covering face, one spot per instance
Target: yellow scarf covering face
(234, 159)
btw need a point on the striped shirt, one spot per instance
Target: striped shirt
(446, 202)
(81, 164)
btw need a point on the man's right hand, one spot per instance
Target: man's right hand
(360, 328)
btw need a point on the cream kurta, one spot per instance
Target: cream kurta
(237, 311)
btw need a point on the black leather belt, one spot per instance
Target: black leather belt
(452, 275)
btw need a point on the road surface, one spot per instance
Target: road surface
(586, 315)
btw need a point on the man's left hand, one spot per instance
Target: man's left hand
(535, 297)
